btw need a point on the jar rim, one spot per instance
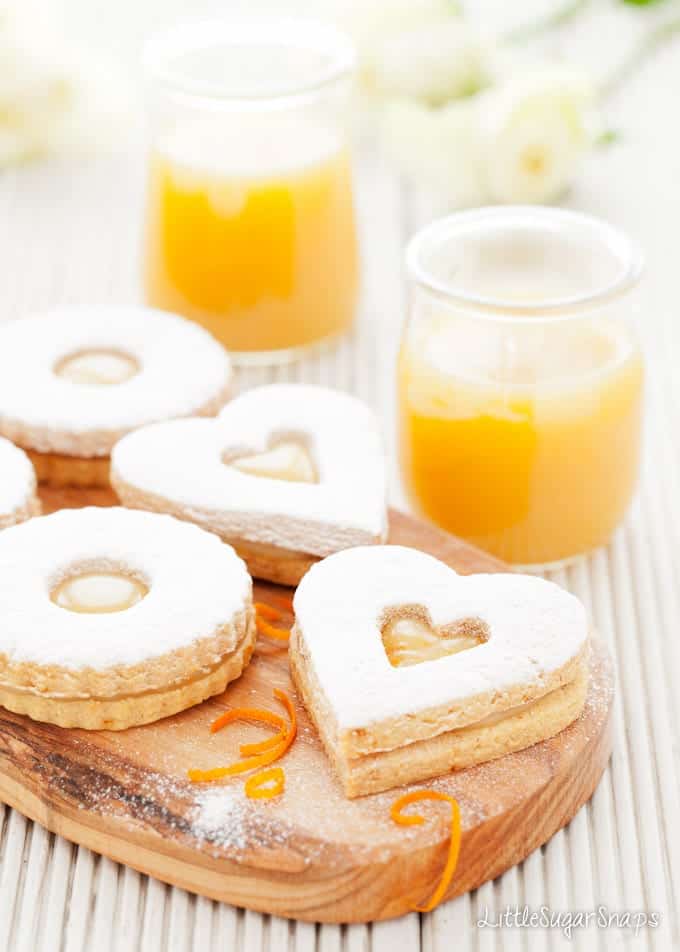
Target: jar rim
(297, 33)
(465, 224)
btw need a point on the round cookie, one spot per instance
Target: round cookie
(18, 500)
(73, 381)
(113, 617)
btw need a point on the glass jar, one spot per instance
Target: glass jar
(520, 381)
(250, 224)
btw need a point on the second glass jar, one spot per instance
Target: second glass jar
(520, 381)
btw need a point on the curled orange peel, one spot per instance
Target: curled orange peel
(271, 631)
(259, 714)
(284, 601)
(276, 746)
(266, 784)
(267, 611)
(261, 746)
(414, 819)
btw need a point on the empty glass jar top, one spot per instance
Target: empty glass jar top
(244, 60)
(523, 262)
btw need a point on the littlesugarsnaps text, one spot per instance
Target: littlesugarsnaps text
(568, 921)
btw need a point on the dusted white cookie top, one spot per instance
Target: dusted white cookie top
(535, 628)
(180, 370)
(17, 479)
(196, 585)
(181, 463)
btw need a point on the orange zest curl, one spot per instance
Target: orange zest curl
(285, 602)
(266, 784)
(260, 746)
(264, 614)
(271, 749)
(454, 844)
(271, 631)
(241, 766)
(247, 714)
(267, 611)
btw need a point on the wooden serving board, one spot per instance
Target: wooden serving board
(309, 854)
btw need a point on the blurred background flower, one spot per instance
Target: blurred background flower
(422, 50)
(479, 118)
(474, 101)
(535, 128)
(519, 141)
(54, 98)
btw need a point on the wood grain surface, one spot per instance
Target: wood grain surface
(309, 854)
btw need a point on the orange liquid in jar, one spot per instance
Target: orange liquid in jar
(252, 234)
(532, 454)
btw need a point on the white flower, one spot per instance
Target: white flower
(534, 129)
(433, 62)
(371, 21)
(521, 141)
(52, 99)
(34, 92)
(377, 26)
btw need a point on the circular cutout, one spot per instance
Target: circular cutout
(97, 367)
(97, 592)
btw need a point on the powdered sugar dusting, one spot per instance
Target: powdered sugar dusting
(17, 478)
(224, 818)
(219, 817)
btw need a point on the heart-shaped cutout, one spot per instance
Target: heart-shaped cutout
(409, 637)
(287, 473)
(289, 460)
(519, 675)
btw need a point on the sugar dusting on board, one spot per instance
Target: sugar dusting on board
(226, 822)
(225, 818)
(300, 829)
(219, 818)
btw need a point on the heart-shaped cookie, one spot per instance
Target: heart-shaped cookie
(287, 474)
(512, 669)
